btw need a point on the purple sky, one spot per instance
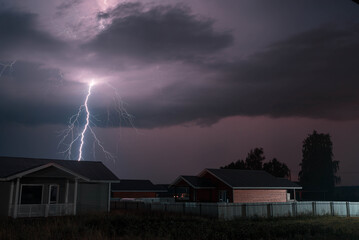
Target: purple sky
(205, 81)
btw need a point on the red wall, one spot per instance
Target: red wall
(201, 195)
(241, 196)
(236, 196)
(205, 195)
(133, 194)
(219, 186)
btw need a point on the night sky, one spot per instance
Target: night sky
(205, 81)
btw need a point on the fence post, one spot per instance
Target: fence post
(269, 210)
(294, 209)
(244, 210)
(314, 207)
(331, 208)
(47, 210)
(348, 208)
(200, 209)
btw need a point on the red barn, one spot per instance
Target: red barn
(232, 185)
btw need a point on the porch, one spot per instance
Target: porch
(43, 210)
(50, 191)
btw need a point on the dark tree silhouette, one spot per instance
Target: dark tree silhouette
(318, 170)
(239, 164)
(276, 168)
(254, 161)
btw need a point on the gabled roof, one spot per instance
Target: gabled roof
(250, 179)
(195, 182)
(88, 170)
(134, 185)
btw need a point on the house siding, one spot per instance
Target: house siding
(204, 195)
(134, 194)
(92, 197)
(191, 193)
(4, 198)
(220, 186)
(46, 182)
(250, 196)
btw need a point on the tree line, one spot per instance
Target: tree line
(318, 168)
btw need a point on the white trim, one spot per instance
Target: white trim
(29, 184)
(182, 177)
(57, 194)
(236, 188)
(75, 196)
(67, 192)
(16, 203)
(109, 198)
(35, 169)
(216, 177)
(11, 197)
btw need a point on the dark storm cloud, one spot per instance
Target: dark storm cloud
(32, 94)
(19, 33)
(311, 75)
(158, 34)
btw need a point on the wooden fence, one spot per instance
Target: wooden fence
(246, 210)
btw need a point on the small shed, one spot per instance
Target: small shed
(44, 187)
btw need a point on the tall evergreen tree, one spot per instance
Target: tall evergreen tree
(318, 169)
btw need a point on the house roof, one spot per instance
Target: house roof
(196, 182)
(251, 179)
(91, 170)
(135, 185)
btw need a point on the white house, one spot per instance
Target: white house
(43, 187)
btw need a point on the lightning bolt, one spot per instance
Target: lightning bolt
(79, 136)
(87, 120)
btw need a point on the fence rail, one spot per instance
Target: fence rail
(247, 210)
(43, 210)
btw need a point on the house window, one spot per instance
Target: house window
(222, 196)
(54, 194)
(31, 194)
(182, 193)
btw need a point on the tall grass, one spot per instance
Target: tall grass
(131, 225)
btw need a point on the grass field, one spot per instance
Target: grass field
(127, 225)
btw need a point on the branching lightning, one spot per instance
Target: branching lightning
(78, 137)
(87, 120)
(6, 65)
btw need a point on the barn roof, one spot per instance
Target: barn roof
(250, 179)
(91, 170)
(135, 185)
